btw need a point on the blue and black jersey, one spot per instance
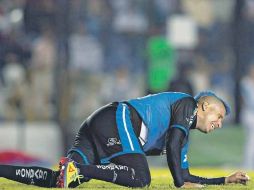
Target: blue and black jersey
(163, 111)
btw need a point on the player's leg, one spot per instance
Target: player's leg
(113, 133)
(38, 176)
(45, 177)
(140, 173)
(105, 136)
(130, 170)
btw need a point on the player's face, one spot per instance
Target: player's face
(211, 118)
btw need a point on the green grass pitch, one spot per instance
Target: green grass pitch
(161, 179)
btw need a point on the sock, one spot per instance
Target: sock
(118, 174)
(38, 176)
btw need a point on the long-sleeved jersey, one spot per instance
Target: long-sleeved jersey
(160, 112)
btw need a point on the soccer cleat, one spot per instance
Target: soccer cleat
(69, 174)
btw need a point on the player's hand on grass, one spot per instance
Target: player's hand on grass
(189, 185)
(237, 177)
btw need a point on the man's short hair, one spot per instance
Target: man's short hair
(212, 94)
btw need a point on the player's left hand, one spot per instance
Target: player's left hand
(237, 177)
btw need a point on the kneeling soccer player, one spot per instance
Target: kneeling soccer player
(113, 142)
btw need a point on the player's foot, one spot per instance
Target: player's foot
(69, 174)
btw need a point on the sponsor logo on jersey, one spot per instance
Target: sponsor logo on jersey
(113, 141)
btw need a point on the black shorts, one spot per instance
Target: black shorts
(109, 132)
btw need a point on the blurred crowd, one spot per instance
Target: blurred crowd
(108, 54)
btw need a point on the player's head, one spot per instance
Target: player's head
(211, 111)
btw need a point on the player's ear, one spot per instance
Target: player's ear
(205, 105)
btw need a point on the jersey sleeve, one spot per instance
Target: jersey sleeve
(202, 180)
(184, 114)
(174, 155)
(184, 156)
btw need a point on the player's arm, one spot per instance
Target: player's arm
(183, 115)
(201, 180)
(182, 176)
(175, 139)
(173, 146)
(237, 177)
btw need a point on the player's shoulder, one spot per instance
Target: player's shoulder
(187, 101)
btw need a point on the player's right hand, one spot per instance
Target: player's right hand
(237, 177)
(189, 185)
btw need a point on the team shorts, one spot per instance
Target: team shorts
(109, 132)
